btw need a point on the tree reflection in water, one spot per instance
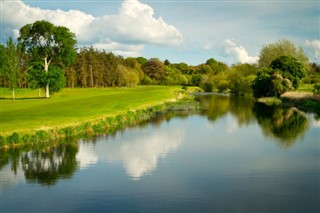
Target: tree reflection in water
(51, 164)
(286, 125)
(283, 124)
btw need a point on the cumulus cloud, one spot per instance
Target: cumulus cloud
(133, 26)
(233, 49)
(313, 49)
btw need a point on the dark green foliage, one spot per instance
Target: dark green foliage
(13, 139)
(290, 68)
(56, 79)
(316, 88)
(2, 141)
(261, 85)
(283, 75)
(208, 86)
(154, 68)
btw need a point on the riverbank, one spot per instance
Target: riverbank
(30, 120)
(306, 101)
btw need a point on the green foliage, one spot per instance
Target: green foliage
(223, 86)
(39, 79)
(208, 86)
(11, 65)
(56, 79)
(290, 68)
(48, 45)
(216, 66)
(316, 88)
(283, 75)
(241, 78)
(283, 47)
(154, 68)
(13, 139)
(261, 85)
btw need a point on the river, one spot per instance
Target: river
(234, 155)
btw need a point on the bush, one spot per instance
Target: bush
(223, 86)
(13, 139)
(2, 141)
(316, 88)
(208, 86)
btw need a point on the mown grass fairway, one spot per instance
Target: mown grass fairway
(74, 106)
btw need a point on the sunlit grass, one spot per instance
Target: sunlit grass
(74, 106)
(305, 87)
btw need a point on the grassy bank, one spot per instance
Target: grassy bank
(72, 107)
(306, 101)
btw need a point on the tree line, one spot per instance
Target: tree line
(46, 56)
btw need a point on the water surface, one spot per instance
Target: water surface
(234, 156)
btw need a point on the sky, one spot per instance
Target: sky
(231, 31)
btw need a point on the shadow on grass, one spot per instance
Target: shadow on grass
(23, 98)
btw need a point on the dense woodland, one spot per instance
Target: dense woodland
(95, 68)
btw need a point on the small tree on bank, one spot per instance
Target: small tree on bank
(11, 66)
(48, 45)
(284, 74)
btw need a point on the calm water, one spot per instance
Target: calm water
(235, 156)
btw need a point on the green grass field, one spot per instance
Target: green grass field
(74, 106)
(305, 88)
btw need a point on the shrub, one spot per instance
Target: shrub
(316, 88)
(208, 86)
(2, 141)
(13, 139)
(223, 85)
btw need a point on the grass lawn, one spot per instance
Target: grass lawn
(305, 88)
(74, 106)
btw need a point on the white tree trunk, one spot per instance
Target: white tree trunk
(46, 68)
(13, 95)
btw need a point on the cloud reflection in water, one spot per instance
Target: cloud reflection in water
(139, 151)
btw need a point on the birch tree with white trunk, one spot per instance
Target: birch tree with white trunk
(48, 45)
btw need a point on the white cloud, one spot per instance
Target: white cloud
(132, 50)
(233, 49)
(133, 26)
(208, 46)
(313, 49)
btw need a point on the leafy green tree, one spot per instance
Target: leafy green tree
(240, 78)
(269, 83)
(54, 77)
(216, 66)
(49, 45)
(283, 47)
(2, 59)
(11, 66)
(290, 68)
(261, 85)
(155, 69)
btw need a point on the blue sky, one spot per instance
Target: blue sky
(178, 30)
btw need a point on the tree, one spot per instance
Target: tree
(290, 67)
(283, 47)
(11, 66)
(269, 83)
(154, 68)
(240, 78)
(216, 66)
(48, 44)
